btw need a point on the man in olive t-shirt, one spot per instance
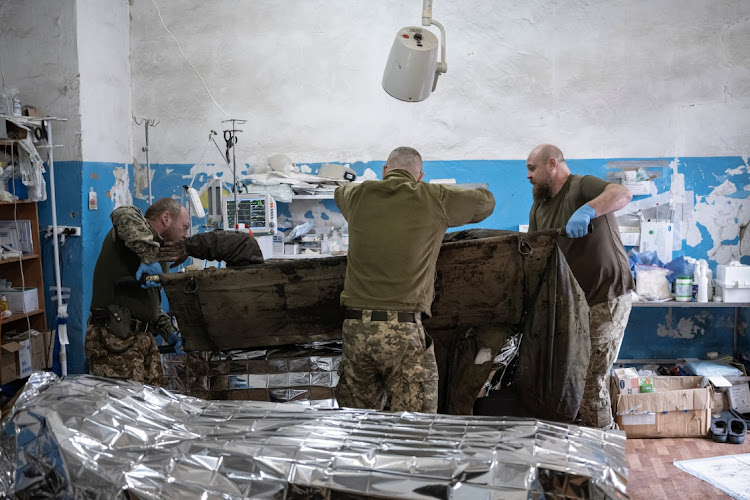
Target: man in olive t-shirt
(396, 227)
(597, 260)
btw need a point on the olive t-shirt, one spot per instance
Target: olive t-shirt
(598, 260)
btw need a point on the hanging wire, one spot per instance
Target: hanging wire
(188, 61)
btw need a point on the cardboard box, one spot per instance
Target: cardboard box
(21, 230)
(21, 300)
(18, 358)
(680, 407)
(15, 360)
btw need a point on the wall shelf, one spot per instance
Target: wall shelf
(17, 259)
(674, 303)
(28, 273)
(312, 197)
(669, 304)
(17, 316)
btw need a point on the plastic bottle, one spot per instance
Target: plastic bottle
(683, 289)
(325, 245)
(4, 304)
(702, 279)
(335, 241)
(345, 238)
(93, 205)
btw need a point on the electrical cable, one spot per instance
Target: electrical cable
(188, 61)
(20, 259)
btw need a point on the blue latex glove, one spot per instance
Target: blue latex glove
(148, 270)
(578, 224)
(175, 340)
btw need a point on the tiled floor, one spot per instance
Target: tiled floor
(653, 476)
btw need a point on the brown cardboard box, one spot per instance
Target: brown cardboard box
(42, 348)
(679, 407)
(18, 358)
(15, 360)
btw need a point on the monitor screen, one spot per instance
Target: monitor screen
(256, 212)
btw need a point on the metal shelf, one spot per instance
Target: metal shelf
(674, 303)
(312, 197)
(701, 305)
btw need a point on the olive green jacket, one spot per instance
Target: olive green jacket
(396, 227)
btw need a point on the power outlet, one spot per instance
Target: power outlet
(66, 230)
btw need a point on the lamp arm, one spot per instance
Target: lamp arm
(427, 12)
(442, 66)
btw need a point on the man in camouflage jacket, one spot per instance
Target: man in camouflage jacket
(125, 319)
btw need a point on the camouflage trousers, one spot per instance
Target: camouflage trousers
(607, 327)
(136, 358)
(387, 360)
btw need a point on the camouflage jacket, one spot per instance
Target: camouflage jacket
(234, 248)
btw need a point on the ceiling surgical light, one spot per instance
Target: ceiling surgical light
(412, 70)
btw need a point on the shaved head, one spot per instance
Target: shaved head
(405, 158)
(544, 152)
(547, 171)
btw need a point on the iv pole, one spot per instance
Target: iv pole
(231, 141)
(147, 123)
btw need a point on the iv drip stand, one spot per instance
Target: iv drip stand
(233, 136)
(147, 123)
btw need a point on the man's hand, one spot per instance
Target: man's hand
(148, 270)
(578, 224)
(173, 251)
(175, 340)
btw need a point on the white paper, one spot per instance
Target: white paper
(641, 419)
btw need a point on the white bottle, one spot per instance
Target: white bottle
(325, 245)
(345, 238)
(93, 205)
(702, 278)
(335, 242)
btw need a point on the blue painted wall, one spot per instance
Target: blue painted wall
(713, 328)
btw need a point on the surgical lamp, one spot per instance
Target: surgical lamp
(412, 70)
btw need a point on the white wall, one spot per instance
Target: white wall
(642, 78)
(104, 67)
(38, 57)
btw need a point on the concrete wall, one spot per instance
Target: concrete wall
(39, 57)
(662, 80)
(644, 78)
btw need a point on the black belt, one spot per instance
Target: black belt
(403, 317)
(99, 318)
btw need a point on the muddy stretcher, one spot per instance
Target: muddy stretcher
(489, 285)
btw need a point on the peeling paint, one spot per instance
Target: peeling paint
(120, 194)
(721, 215)
(140, 182)
(310, 211)
(687, 328)
(369, 175)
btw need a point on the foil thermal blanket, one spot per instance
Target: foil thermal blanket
(95, 438)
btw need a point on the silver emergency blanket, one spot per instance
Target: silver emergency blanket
(303, 373)
(96, 438)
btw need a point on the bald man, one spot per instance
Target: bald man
(597, 260)
(396, 227)
(124, 320)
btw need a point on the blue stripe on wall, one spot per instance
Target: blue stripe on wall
(651, 333)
